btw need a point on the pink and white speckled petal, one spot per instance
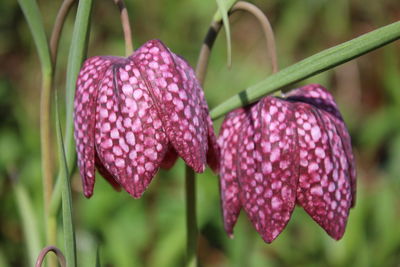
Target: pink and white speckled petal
(87, 85)
(228, 141)
(173, 92)
(324, 188)
(213, 152)
(131, 141)
(145, 140)
(321, 98)
(268, 170)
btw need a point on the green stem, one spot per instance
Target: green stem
(201, 70)
(33, 17)
(191, 221)
(126, 26)
(313, 65)
(45, 138)
(58, 27)
(215, 27)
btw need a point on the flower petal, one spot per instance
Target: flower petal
(268, 170)
(324, 188)
(321, 98)
(87, 85)
(228, 140)
(131, 140)
(213, 151)
(173, 90)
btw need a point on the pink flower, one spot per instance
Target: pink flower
(280, 152)
(135, 114)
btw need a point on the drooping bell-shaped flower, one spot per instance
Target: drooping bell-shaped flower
(282, 152)
(133, 115)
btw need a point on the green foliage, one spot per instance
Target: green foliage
(120, 231)
(68, 224)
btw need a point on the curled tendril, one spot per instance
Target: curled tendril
(57, 251)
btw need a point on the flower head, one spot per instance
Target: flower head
(136, 114)
(280, 152)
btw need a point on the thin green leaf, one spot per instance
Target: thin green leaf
(310, 66)
(68, 226)
(76, 56)
(223, 11)
(29, 222)
(34, 19)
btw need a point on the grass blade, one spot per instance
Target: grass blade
(68, 226)
(310, 66)
(29, 222)
(76, 56)
(34, 19)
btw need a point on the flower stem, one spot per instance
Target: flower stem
(201, 70)
(310, 66)
(45, 137)
(215, 27)
(191, 220)
(125, 26)
(58, 26)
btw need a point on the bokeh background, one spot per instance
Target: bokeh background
(151, 231)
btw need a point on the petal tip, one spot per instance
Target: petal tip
(88, 193)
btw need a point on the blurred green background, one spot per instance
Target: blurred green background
(151, 231)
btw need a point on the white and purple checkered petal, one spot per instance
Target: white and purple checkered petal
(229, 143)
(269, 173)
(142, 142)
(87, 87)
(323, 187)
(173, 92)
(213, 151)
(321, 98)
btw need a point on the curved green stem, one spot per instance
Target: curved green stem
(215, 27)
(33, 17)
(310, 66)
(58, 26)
